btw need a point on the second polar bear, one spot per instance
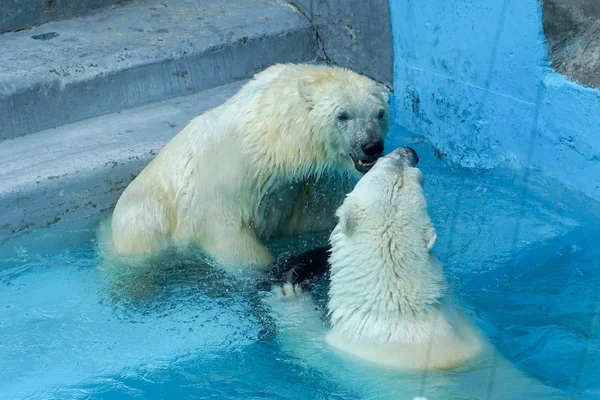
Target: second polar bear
(250, 169)
(389, 302)
(388, 299)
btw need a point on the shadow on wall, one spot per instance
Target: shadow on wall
(475, 78)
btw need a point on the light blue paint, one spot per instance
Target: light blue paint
(473, 77)
(569, 132)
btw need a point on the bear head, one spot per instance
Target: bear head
(350, 114)
(386, 209)
(390, 196)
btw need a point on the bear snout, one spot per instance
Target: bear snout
(373, 149)
(406, 155)
(412, 156)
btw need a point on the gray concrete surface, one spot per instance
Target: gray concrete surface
(81, 169)
(356, 34)
(145, 52)
(572, 28)
(22, 14)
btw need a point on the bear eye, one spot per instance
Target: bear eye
(343, 116)
(381, 114)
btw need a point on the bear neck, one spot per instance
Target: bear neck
(285, 149)
(371, 297)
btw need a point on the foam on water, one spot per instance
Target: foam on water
(520, 251)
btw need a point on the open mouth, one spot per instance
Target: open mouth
(363, 166)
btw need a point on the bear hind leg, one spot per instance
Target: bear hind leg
(141, 229)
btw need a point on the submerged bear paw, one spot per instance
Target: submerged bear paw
(287, 290)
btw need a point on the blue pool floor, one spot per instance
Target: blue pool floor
(520, 250)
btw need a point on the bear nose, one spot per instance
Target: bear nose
(412, 155)
(373, 149)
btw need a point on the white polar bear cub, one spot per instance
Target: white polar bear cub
(388, 300)
(243, 172)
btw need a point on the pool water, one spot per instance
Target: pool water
(520, 251)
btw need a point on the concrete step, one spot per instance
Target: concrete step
(22, 14)
(144, 52)
(79, 170)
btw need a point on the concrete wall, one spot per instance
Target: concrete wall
(474, 77)
(355, 34)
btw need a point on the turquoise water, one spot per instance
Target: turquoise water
(519, 249)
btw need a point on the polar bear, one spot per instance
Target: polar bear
(257, 167)
(389, 302)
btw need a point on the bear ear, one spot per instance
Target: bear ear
(305, 90)
(384, 92)
(348, 218)
(430, 237)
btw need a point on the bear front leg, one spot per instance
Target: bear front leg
(238, 248)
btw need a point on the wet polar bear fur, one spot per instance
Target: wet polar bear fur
(389, 302)
(252, 169)
(388, 298)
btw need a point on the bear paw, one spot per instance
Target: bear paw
(287, 290)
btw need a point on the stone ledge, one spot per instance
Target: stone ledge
(138, 54)
(80, 170)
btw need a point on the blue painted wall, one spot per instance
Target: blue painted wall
(473, 76)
